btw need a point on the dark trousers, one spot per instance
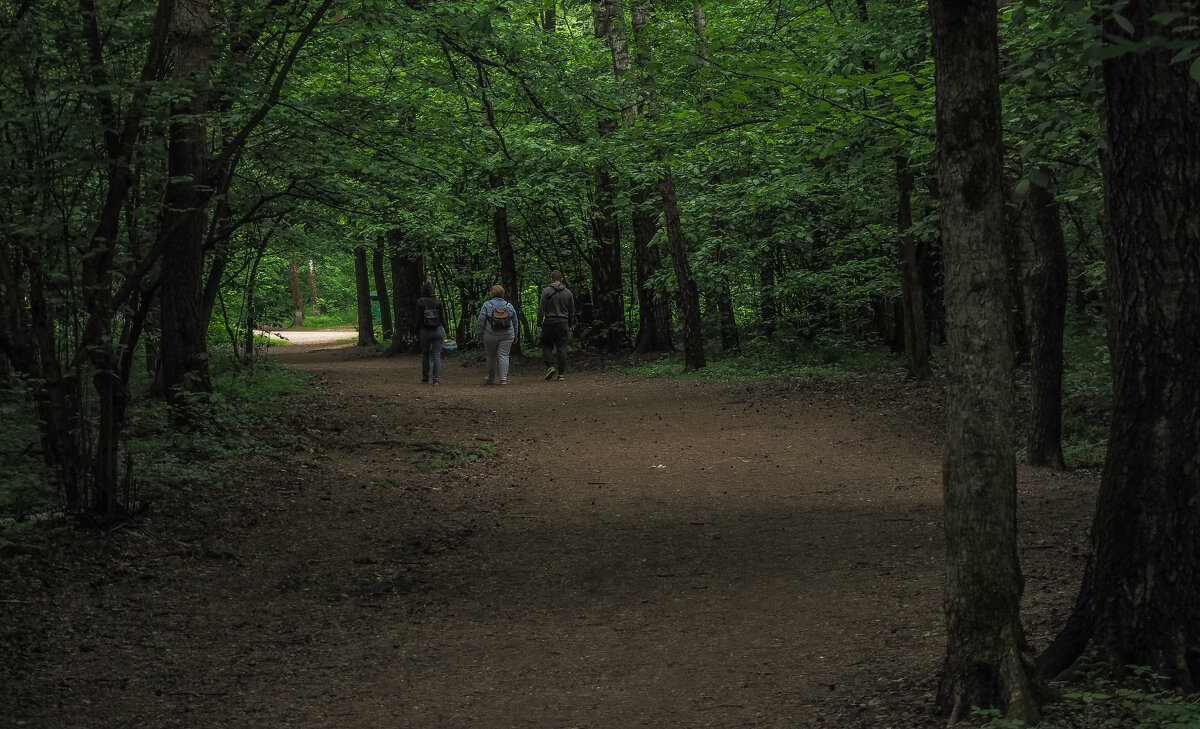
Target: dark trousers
(555, 333)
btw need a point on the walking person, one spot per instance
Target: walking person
(432, 327)
(556, 310)
(497, 329)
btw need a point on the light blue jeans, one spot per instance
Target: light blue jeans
(496, 345)
(431, 352)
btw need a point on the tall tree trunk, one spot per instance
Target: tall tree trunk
(408, 273)
(362, 287)
(985, 661)
(607, 274)
(688, 293)
(654, 306)
(297, 299)
(381, 292)
(184, 346)
(1140, 600)
(314, 307)
(912, 297)
(1048, 312)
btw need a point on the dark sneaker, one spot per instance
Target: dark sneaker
(561, 378)
(550, 372)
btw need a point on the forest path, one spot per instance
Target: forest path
(602, 552)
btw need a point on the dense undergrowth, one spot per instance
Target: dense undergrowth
(234, 423)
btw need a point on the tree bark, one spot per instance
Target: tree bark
(381, 292)
(607, 278)
(1140, 600)
(362, 285)
(912, 296)
(1048, 312)
(985, 662)
(184, 346)
(508, 260)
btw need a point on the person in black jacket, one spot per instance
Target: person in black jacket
(432, 325)
(556, 309)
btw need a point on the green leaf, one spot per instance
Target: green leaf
(1195, 70)
(1122, 21)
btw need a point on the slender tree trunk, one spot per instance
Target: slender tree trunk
(297, 299)
(985, 661)
(912, 298)
(1048, 312)
(314, 307)
(654, 307)
(1140, 600)
(362, 284)
(381, 292)
(184, 346)
(689, 295)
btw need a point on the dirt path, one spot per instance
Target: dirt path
(623, 553)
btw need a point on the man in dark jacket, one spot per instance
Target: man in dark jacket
(556, 309)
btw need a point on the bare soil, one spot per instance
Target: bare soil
(608, 551)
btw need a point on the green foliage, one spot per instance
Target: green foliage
(1134, 703)
(232, 423)
(25, 488)
(1087, 397)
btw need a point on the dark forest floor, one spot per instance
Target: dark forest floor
(603, 552)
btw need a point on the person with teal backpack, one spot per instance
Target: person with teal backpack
(497, 329)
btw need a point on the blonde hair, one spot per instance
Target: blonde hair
(497, 292)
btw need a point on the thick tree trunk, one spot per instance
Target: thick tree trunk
(985, 661)
(607, 273)
(1048, 312)
(381, 292)
(1140, 601)
(184, 346)
(362, 286)
(297, 299)
(408, 273)
(912, 297)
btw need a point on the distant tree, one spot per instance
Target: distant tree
(362, 282)
(294, 286)
(986, 660)
(1048, 312)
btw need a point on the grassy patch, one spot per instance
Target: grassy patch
(442, 456)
